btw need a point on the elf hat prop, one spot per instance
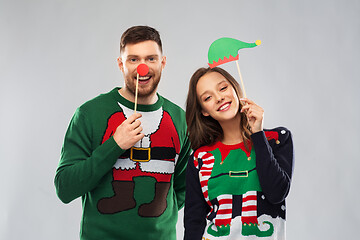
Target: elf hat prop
(225, 50)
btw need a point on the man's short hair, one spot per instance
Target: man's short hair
(138, 34)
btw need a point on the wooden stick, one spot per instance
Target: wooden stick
(136, 92)
(242, 83)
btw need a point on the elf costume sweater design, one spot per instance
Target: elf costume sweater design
(132, 194)
(234, 192)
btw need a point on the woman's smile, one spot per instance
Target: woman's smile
(224, 107)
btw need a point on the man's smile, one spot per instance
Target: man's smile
(144, 80)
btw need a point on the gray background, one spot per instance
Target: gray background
(56, 54)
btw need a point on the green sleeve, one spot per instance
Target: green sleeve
(180, 173)
(81, 167)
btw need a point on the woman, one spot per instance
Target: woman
(239, 174)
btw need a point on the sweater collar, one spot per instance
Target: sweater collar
(140, 107)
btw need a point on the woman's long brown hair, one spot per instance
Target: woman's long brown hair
(204, 131)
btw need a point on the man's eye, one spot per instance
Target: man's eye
(151, 59)
(132, 59)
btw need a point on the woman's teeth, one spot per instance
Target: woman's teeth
(224, 106)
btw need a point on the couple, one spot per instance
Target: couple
(131, 168)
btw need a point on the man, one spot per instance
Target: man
(129, 168)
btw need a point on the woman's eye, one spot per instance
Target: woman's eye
(207, 98)
(223, 88)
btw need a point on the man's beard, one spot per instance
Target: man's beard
(144, 92)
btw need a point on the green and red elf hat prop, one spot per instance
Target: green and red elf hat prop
(224, 50)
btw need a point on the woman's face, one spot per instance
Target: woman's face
(217, 97)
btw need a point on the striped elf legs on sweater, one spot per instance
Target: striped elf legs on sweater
(248, 212)
(222, 220)
(250, 225)
(249, 208)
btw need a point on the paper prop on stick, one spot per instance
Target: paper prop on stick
(225, 50)
(142, 70)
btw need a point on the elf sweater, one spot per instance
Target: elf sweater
(235, 193)
(132, 194)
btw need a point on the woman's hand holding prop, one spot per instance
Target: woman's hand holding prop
(254, 113)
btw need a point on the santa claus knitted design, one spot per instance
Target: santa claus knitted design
(153, 156)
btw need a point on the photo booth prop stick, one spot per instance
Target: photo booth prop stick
(142, 70)
(225, 50)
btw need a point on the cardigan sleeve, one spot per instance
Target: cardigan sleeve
(180, 173)
(196, 208)
(274, 163)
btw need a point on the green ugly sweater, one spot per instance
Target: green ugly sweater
(126, 194)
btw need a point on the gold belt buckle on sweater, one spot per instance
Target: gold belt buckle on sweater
(238, 173)
(146, 151)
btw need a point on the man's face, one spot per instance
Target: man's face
(147, 52)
